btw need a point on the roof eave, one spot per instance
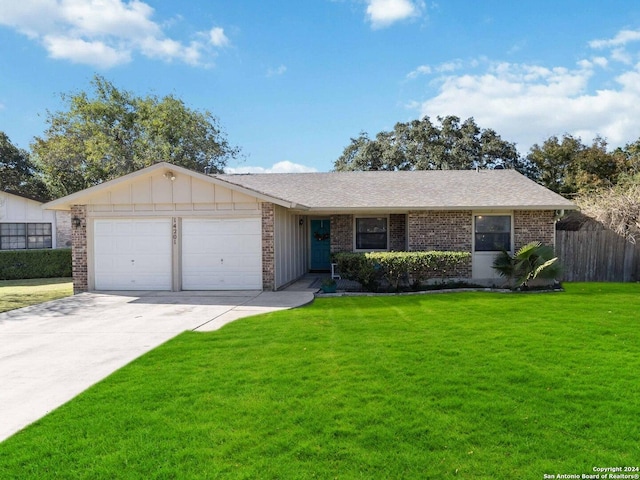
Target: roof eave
(404, 208)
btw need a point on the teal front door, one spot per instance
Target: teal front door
(320, 245)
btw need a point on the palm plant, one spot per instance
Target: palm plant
(533, 260)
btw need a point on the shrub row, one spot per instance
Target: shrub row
(399, 269)
(21, 264)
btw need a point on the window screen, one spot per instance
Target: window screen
(371, 233)
(493, 233)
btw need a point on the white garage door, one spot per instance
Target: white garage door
(132, 254)
(224, 254)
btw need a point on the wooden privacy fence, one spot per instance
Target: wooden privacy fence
(597, 256)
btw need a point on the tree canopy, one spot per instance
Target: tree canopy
(567, 166)
(424, 145)
(18, 174)
(111, 132)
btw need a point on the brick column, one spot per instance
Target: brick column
(397, 232)
(341, 233)
(268, 247)
(79, 249)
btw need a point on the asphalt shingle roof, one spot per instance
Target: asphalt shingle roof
(429, 189)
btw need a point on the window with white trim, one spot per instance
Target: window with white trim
(492, 233)
(371, 233)
(19, 236)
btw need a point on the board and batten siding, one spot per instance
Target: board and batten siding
(156, 195)
(291, 246)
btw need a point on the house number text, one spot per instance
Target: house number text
(174, 229)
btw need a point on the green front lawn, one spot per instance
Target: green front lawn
(22, 293)
(462, 385)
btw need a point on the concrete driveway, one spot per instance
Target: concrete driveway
(51, 352)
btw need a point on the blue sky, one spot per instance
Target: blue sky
(292, 81)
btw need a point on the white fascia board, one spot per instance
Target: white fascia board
(404, 209)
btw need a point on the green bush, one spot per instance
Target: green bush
(356, 266)
(48, 263)
(400, 269)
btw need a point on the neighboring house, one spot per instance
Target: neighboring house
(168, 228)
(24, 224)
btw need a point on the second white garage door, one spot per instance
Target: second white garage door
(223, 254)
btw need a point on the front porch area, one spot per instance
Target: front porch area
(313, 281)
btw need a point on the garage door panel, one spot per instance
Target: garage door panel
(232, 262)
(221, 254)
(150, 228)
(132, 254)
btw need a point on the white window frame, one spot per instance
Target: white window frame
(355, 234)
(491, 214)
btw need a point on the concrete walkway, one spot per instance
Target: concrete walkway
(51, 352)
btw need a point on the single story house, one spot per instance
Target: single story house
(24, 224)
(168, 228)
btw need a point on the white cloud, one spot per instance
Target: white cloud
(77, 50)
(421, 70)
(618, 45)
(274, 72)
(449, 66)
(445, 67)
(104, 33)
(621, 39)
(382, 13)
(280, 167)
(528, 103)
(217, 37)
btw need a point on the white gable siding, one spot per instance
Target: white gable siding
(185, 196)
(17, 209)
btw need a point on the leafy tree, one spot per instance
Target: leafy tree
(568, 166)
(423, 145)
(630, 155)
(595, 167)
(18, 174)
(553, 160)
(112, 132)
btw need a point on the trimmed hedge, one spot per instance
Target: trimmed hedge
(46, 263)
(399, 269)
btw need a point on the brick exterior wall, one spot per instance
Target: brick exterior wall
(79, 250)
(440, 230)
(397, 232)
(533, 226)
(268, 247)
(341, 233)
